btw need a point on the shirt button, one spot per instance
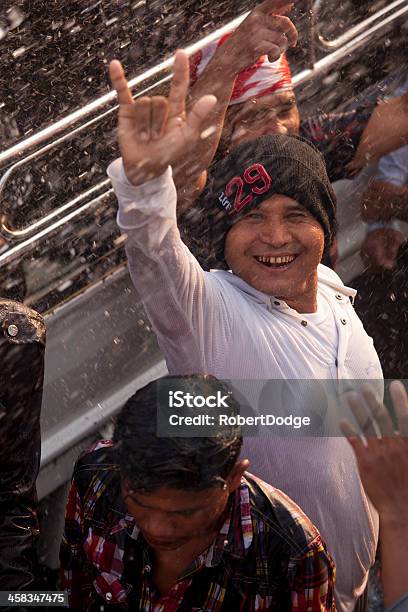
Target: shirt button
(338, 296)
(304, 323)
(343, 321)
(12, 330)
(147, 568)
(108, 596)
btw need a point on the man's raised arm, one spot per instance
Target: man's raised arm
(265, 31)
(386, 131)
(154, 134)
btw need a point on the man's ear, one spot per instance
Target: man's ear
(234, 478)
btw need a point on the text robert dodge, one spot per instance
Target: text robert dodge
(270, 420)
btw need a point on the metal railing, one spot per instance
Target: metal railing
(358, 28)
(28, 236)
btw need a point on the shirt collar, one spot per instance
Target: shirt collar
(236, 534)
(325, 276)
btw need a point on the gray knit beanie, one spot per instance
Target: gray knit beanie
(256, 170)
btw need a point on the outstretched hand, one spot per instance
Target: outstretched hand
(155, 132)
(265, 31)
(382, 460)
(383, 466)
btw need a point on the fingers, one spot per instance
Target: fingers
(348, 429)
(199, 111)
(400, 403)
(282, 26)
(179, 84)
(266, 39)
(278, 7)
(119, 83)
(352, 436)
(363, 416)
(378, 411)
(159, 113)
(142, 114)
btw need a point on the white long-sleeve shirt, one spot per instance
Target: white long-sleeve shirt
(215, 323)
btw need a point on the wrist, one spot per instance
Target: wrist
(137, 176)
(225, 62)
(372, 226)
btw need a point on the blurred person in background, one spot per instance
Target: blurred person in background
(177, 523)
(382, 457)
(383, 289)
(22, 347)
(255, 97)
(278, 315)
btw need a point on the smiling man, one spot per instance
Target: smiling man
(275, 313)
(272, 213)
(165, 524)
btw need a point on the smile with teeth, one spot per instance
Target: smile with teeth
(275, 261)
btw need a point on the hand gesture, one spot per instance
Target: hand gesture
(266, 31)
(156, 132)
(382, 461)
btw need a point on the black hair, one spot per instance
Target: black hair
(149, 462)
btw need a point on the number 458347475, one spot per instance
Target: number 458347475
(33, 598)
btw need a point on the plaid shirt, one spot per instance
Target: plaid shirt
(337, 135)
(267, 555)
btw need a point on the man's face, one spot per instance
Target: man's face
(276, 249)
(170, 518)
(275, 113)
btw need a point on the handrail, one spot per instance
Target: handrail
(95, 105)
(326, 62)
(55, 213)
(88, 109)
(355, 30)
(299, 79)
(22, 247)
(12, 233)
(59, 441)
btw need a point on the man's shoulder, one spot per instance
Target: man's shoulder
(97, 453)
(279, 518)
(329, 280)
(96, 464)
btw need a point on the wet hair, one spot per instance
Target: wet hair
(149, 462)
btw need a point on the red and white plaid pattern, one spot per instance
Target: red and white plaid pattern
(265, 540)
(263, 78)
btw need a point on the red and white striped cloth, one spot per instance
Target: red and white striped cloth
(263, 78)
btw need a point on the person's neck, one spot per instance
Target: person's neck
(305, 302)
(303, 306)
(169, 565)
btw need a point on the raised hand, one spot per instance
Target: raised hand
(266, 31)
(383, 467)
(383, 459)
(156, 132)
